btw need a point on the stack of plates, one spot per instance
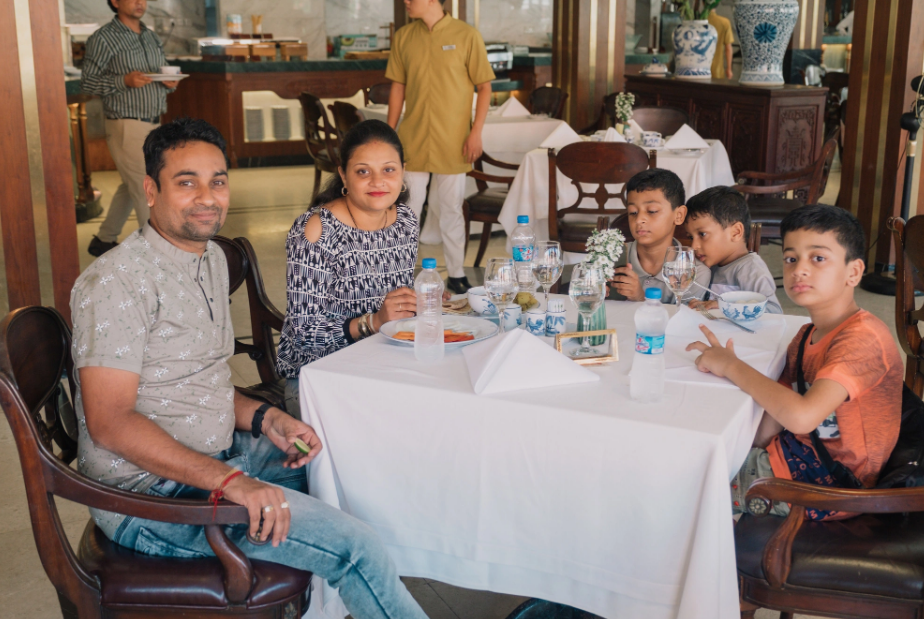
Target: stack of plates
(282, 127)
(253, 124)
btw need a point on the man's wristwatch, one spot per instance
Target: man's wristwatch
(256, 428)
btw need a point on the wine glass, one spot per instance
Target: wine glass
(547, 265)
(587, 291)
(500, 283)
(679, 271)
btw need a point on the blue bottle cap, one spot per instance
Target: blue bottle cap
(522, 219)
(652, 293)
(430, 263)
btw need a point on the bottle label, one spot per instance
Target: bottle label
(523, 253)
(649, 344)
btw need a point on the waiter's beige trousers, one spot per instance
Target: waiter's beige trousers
(447, 191)
(125, 138)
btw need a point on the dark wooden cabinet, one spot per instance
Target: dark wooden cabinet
(763, 128)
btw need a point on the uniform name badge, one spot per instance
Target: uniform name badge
(446, 48)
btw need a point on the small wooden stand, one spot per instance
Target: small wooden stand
(609, 357)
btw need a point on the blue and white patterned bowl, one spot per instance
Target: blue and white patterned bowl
(478, 299)
(742, 306)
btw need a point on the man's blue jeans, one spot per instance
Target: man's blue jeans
(322, 539)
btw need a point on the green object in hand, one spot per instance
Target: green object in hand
(302, 446)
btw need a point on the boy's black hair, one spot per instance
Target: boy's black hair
(656, 178)
(824, 218)
(176, 134)
(724, 204)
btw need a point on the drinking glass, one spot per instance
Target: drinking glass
(500, 283)
(547, 265)
(587, 291)
(679, 271)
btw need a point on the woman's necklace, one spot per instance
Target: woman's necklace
(353, 219)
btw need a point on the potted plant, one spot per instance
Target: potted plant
(624, 103)
(764, 28)
(604, 248)
(695, 40)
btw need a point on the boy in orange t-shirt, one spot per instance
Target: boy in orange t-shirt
(852, 368)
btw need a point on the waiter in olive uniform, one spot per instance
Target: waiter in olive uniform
(436, 65)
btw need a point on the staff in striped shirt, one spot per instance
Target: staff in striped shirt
(119, 55)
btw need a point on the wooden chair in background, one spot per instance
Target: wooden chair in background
(265, 320)
(665, 120)
(378, 93)
(346, 116)
(772, 196)
(103, 579)
(485, 205)
(320, 138)
(548, 100)
(909, 264)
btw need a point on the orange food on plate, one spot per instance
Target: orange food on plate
(449, 336)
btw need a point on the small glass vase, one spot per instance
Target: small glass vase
(597, 322)
(620, 127)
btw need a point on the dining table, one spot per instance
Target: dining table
(574, 494)
(529, 193)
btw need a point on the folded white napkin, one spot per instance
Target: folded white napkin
(680, 365)
(686, 138)
(561, 137)
(518, 360)
(636, 128)
(613, 136)
(768, 329)
(511, 108)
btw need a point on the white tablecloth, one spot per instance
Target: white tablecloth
(572, 494)
(529, 194)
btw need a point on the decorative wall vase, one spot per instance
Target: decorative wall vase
(694, 47)
(597, 323)
(764, 28)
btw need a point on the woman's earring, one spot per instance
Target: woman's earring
(343, 191)
(404, 188)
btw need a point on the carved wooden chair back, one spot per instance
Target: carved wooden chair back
(321, 138)
(806, 184)
(485, 205)
(379, 93)
(665, 120)
(909, 264)
(346, 116)
(548, 100)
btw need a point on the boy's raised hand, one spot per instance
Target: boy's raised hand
(714, 358)
(627, 283)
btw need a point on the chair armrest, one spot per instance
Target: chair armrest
(254, 352)
(491, 178)
(498, 164)
(867, 501)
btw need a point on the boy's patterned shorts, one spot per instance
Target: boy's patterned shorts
(755, 466)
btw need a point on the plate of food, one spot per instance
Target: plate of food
(458, 331)
(167, 77)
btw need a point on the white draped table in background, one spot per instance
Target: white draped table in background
(529, 194)
(573, 494)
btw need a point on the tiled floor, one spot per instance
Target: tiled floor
(264, 204)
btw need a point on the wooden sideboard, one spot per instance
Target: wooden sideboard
(763, 128)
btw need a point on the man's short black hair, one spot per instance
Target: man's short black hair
(724, 204)
(112, 6)
(177, 134)
(656, 178)
(823, 218)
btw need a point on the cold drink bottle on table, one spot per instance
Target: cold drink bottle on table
(646, 380)
(429, 345)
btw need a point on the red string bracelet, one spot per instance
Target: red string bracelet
(219, 492)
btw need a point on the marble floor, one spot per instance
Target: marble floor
(264, 204)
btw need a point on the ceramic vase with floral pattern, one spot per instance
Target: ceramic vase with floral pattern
(764, 28)
(694, 48)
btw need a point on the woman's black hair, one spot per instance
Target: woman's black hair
(363, 133)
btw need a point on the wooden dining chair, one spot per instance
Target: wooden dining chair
(606, 118)
(909, 264)
(378, 93)
(346, 116)
(485, 204)
(773, 196)
(665, 120)
(320, 138)
(103, 579)
(591, 163)
(265, 320)
(549, 100)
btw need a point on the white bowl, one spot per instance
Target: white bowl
(478, 299)
(742, 306)
(170, 70)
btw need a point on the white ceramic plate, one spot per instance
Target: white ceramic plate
(482, 329)
(164, 77)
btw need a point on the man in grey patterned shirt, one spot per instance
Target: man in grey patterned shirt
(118, 56)
(157, 410)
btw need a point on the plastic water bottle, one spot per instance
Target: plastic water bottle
(646, 380)
(523, 240)
(428, 333)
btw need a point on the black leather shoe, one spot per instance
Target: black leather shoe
(98, 248)
(458, 285)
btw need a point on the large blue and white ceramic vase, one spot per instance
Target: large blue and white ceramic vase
(694, 48)
(764, 29)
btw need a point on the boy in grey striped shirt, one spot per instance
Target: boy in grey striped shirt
(719, 223)
(118, 56)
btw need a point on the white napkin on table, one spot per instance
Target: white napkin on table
(561, 137)
(686, 138)
(612, 135)
(636, 128)
(518, 360)
(511, 108)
